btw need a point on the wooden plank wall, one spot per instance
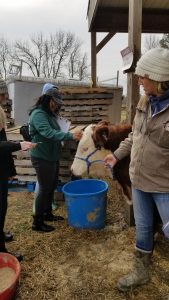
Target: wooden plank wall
(7, 106)
(87, 105)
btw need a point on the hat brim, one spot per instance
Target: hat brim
(58, 101)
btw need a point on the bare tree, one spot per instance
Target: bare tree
(60, 54)
(50, 56)
(65, 42)
(31, 53)
(5, 58)
(82, 68)
(56, 52)
(45, 57)
(151, 41)
(74, 58)
(164, 42)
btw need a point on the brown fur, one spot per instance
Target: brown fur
(109, 137)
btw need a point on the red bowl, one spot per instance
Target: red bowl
(8, 260)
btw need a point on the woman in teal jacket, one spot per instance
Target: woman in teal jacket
(46, 132)
(54, 205)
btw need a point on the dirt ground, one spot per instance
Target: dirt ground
(71, 264)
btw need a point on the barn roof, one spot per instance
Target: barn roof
(112, 16)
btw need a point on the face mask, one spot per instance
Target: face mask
(58, 108)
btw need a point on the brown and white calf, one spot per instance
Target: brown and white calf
(98, 141)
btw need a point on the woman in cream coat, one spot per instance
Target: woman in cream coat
(148, 145)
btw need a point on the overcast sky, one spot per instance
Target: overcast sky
(22, 18)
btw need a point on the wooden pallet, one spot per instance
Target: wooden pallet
(7, 107)
(86, 107)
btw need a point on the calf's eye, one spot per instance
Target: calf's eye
(84, 149)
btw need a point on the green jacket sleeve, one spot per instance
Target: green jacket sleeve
(42, 123)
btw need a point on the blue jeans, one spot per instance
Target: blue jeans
(144, 205)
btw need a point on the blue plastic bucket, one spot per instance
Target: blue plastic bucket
(86, 202)
(31, 186)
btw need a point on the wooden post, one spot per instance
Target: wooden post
(134, 41)
(94, 50)
(117, 79)
(93, 58)
(133, 91)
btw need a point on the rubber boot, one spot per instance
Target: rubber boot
(39, 225)
(139, 275)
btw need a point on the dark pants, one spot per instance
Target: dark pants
(47, 174)
(3, 209)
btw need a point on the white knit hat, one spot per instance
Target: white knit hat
(154, 64)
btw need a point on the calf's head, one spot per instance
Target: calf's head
(90, 153)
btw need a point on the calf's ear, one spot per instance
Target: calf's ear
(100, 136)
(102, 123)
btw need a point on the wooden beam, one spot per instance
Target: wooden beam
(115, 19)
(104, 41)
(134, 41)
(91, 11)
(111, 20)
(93, 58)
(161, 24)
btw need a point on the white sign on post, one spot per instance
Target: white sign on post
(127, 56)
